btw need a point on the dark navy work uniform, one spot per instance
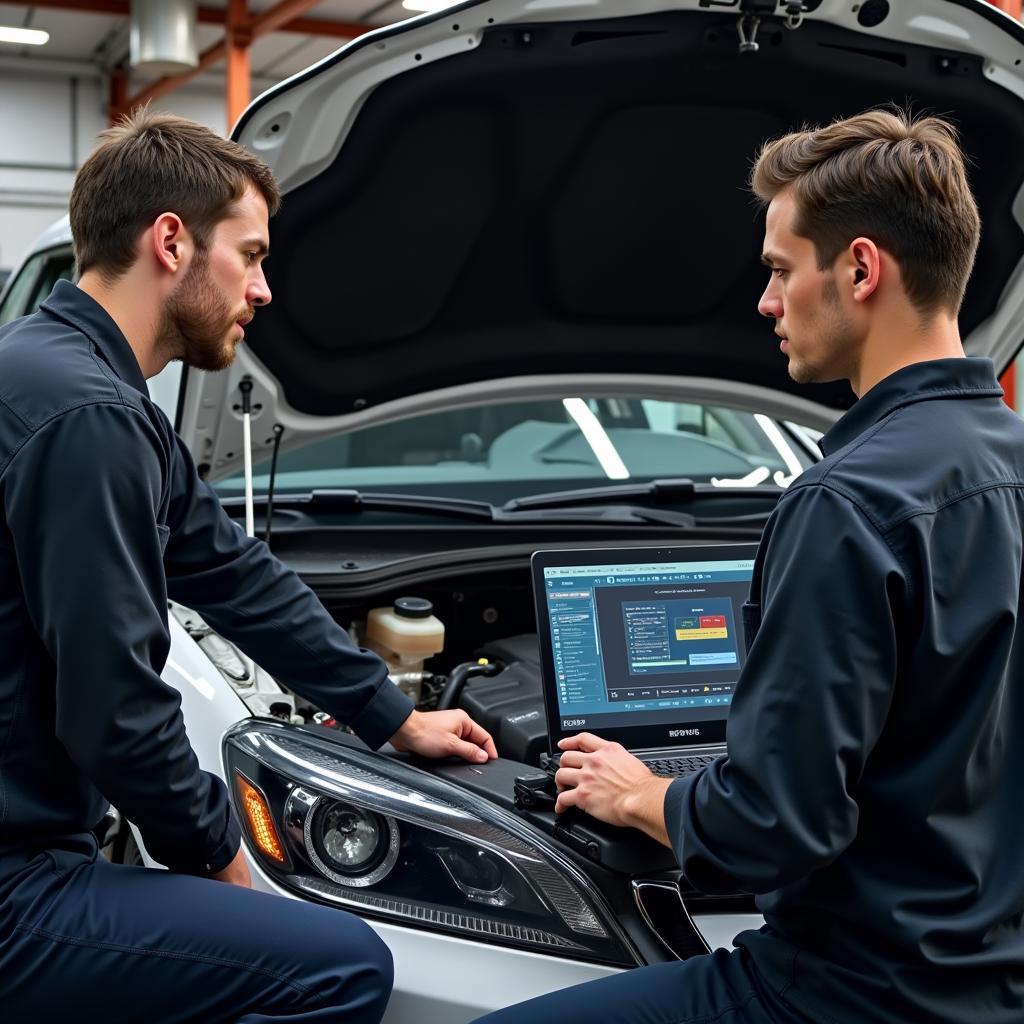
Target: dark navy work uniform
(102, 519)
(871, 796)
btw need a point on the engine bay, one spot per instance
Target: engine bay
(497, 681)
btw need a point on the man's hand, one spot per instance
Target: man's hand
(444, 734)
(236, 873)
(607, 781)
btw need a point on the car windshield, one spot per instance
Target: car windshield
(497, 451)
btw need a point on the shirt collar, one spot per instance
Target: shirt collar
(69, 303)
(919, 382)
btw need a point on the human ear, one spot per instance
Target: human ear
(866, 265)
(171, 241)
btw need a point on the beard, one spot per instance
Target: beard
(834, 342)
(197, 320)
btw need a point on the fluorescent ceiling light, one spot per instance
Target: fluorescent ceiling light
(600, 443)
(25, 36)
(428, 5)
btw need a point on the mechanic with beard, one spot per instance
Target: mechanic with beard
(870, 794)
(102, 519)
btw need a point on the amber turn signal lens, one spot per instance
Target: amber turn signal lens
(257, 816)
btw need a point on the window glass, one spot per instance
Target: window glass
(57, 267)
(14, 303)
(544, 444)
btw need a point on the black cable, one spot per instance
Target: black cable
(278, 431)
(457, 680)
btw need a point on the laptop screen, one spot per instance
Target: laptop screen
(642, 645)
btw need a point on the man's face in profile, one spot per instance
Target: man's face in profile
(815, 332)
(205, 316)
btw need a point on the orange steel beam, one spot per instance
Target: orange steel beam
(1012, 7)
(212, 16)
(1008, 382)
(239, 36)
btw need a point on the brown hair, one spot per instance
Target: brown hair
(897, 180)
(150, 163)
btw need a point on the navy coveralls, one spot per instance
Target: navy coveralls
(102, 519)
(871, 795)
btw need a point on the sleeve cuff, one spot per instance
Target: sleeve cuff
(675, 797)
(382, 716)
(198, 857)
(224, 852)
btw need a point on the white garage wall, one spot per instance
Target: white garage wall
(46, 122)
(48, 125)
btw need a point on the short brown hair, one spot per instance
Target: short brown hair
(890, 177)
(150, 163)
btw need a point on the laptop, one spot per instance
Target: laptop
(643, 646)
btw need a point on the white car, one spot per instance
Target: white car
(515, 260)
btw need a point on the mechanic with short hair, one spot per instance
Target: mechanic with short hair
(102, 519)
(870, 795)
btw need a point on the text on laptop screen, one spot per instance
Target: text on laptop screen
(646, 643)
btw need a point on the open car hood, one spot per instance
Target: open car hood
(523, 194)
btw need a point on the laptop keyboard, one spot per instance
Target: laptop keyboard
(674, 767)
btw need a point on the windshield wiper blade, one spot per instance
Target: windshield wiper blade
(345, 500)
(669, 491)
(610, 514)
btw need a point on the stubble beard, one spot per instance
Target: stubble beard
(197, 319)
(833, 334)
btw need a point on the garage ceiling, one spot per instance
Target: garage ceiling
(101, 39)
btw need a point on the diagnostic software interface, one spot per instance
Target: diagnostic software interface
(646, 643)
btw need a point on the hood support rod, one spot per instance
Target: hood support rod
(245, 387)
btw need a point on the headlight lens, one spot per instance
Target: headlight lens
(382, 838)
(349, 845)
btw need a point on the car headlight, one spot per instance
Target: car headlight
(349, 845)
(384, 839)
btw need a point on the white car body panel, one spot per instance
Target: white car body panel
(208, 704)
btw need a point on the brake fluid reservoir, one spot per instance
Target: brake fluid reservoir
(406, 633)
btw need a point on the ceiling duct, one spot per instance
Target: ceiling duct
(163, 36)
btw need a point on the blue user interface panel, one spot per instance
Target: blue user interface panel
(647, 643)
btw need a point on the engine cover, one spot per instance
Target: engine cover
(510, 705)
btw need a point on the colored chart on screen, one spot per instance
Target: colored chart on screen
(679, 635)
